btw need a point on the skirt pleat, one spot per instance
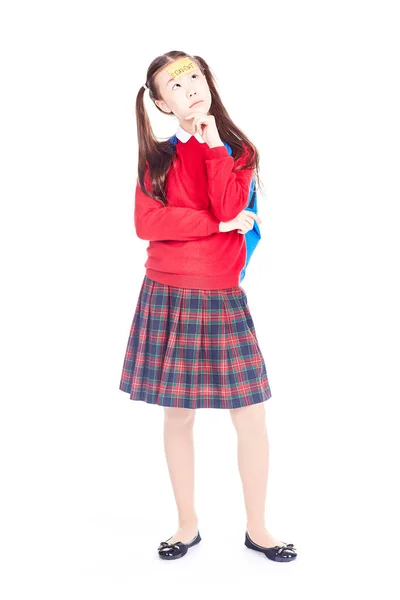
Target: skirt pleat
(193, 348)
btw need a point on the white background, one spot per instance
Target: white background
(86, 496)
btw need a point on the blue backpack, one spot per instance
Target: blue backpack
(253, 236)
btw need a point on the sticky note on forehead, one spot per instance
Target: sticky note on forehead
(180, 67)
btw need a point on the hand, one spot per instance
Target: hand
(243, 222)
(205, 126)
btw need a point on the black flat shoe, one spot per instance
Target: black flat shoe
(177, 549)
(284, 553)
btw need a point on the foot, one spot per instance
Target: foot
(185, 534)
(262, 537)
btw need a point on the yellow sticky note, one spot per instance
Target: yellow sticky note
(180, 67)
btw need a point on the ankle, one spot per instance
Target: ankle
(256, 527)
(188, 523)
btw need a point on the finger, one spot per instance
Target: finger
(200, 120)
(196, 124)
(253, 216)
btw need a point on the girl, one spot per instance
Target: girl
(192, 343)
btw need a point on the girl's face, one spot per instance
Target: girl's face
(179, 95)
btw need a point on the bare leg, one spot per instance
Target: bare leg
(253, 461)
(179, 452)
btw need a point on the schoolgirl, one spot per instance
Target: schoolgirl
(192, 342)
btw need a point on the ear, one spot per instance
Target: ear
(163, 106)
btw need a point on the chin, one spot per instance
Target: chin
(201, 108)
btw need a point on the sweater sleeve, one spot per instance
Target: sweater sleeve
(228, 191)
(155, 222)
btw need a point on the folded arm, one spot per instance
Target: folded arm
(228, 191)
(153, 221)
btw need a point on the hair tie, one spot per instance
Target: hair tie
(146, 87)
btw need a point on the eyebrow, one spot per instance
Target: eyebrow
(173, 78)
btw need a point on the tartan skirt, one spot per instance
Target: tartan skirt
(193, 348)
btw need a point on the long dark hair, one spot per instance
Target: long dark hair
(158, 155)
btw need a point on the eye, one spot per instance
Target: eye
(193, 75)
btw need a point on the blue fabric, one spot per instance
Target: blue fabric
(253, 236)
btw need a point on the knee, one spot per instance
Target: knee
(249, 417)
(179, 417)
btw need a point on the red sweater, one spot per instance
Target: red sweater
(186, 248)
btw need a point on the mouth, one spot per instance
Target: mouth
(194, 103)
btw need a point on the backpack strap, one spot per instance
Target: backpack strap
(252, 199)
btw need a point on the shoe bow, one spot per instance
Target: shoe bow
(172, 546)
(290, 547)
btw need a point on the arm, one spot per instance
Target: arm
(228, 191)
(156, 222)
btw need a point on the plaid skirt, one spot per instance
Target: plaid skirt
(193, 348)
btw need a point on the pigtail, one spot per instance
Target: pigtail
(155, 157)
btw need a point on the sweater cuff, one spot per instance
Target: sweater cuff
(216, 152)
(213, 226)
